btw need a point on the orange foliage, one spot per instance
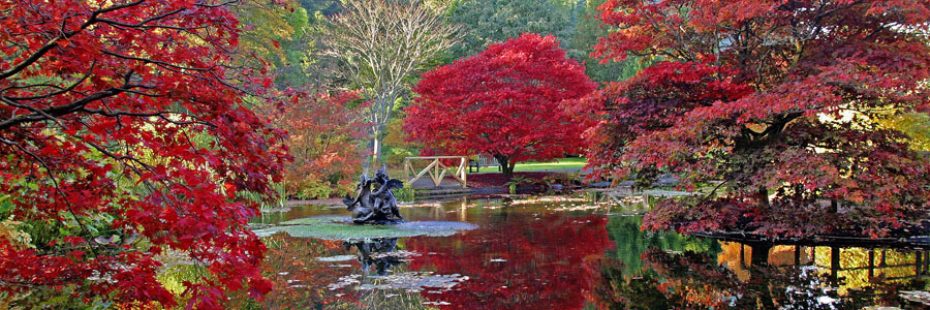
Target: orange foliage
(325, 131)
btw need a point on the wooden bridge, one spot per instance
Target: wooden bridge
(436, 171)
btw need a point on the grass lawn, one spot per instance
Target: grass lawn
(572, 164)
(569, 165)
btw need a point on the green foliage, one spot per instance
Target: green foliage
(574, 22)
(406, 194)
(6, 205)
(320, 189)
(492, 21)
(516, 182)
(279, 34)
(267, 203)
(51, 298)
(588, 28)
(173, 278)
(626, 229)
(323, 7)
(396, 146)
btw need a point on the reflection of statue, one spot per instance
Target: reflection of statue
(379, 206)
(376, 252)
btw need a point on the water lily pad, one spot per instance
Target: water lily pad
(342, 228)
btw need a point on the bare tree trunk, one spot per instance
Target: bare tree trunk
(366, 163)
(375, 145)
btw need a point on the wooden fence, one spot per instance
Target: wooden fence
(436, 170)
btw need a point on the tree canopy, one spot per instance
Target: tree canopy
(511, 101)
(126, 134)
(779, 100)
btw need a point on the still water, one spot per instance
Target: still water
(572, 253)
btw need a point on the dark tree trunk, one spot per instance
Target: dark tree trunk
(506, 165)
(834, 265)
(763, 194)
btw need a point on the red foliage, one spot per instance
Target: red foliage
(511, 101)
(775, 98)
(541, 268)
(485, 180)
(124, 118)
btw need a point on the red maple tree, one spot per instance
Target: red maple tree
(511, 101)
(124, 135)
(780, 100)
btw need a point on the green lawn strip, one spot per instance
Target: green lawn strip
(571, 164)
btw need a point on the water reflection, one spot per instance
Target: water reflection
(565, 253)
(381, 253)
(747, 276)
(520, 261)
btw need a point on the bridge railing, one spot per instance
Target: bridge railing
(436, 170)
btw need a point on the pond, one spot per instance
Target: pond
(566, 253)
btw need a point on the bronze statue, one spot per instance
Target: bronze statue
(379, 206)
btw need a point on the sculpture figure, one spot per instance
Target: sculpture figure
(385, 201)
(379, 206)
(361, 207)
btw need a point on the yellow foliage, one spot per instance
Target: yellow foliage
(854, 266)
(9, 231)
(916, 126)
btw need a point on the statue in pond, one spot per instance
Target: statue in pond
(378, 206)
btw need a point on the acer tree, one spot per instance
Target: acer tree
(513, 101)
(125, 135)
(783, 101)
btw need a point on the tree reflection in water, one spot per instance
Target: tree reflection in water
(788, 277)
(299, 277)
(518, 262)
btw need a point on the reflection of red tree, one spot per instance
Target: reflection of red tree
(543, 267)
